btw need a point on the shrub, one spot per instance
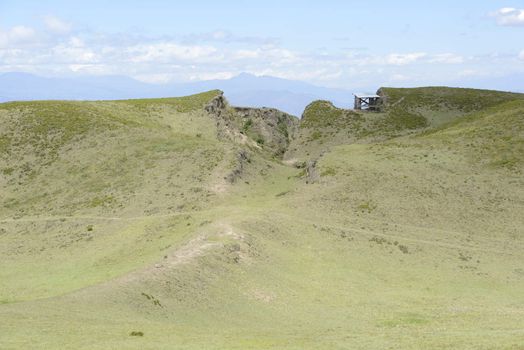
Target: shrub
(247, 125)
(367, 206)
(316, 135)
(403, 249)
(328, 172)
(8, 171)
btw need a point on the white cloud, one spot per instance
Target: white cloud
(218, 55)
(509, 16)
(21, 33)
(94, 69)
(469, 73)
(73, 52)
(166, 52)
(269, 53)
(399, 77)
(227, 37)
(219, 35)
(247, 54)
(211, 76)
(154, 78)
(56, 25)
(16, 35)
(75, 41)
(446, 58)
(403, 59)
(314, 73)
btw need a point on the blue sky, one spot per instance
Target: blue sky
(331, 43)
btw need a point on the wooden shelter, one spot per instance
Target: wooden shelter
(366, 102)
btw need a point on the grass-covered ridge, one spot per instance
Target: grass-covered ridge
(402, 111)
(493, 137)
(158, 224)
(434, 106)
(460, 99)
(105, 149)
(324, 113)
(181, 104)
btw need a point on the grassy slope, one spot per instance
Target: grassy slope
(406, 111)
(74, 164)
(412, 242)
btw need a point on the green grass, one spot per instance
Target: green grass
(325, 114)
(491, 137)
(181, 104)
(405, 111)
(49, 125)
(400, 119)
(130, 236)
(464, 100)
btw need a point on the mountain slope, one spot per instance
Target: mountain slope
(389, 236)
(404, 111)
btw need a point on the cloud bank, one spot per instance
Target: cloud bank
(58, 48)
(509, 16)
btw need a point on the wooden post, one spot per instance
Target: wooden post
(358, 103)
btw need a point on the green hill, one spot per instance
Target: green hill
(403, 112)
(186, 223)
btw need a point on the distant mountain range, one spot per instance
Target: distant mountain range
(242, 90)
(290, 96)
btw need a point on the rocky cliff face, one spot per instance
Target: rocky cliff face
(217, 104)
(267, 128)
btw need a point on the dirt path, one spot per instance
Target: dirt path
(94, 217)
(209, 239)
(408, 239)
(339, 227)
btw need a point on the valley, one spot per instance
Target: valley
(188, 223)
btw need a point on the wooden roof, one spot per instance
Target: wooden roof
(367, 96)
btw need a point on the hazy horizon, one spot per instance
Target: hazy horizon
(335, 44)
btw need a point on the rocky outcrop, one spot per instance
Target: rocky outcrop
(270, 128)
(242, 159)
(216, 105)
(218, 108)
(266, 128)
(312, 175)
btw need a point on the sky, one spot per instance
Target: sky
(330, 43)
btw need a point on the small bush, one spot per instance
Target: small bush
(8, 171)
(379, 240)
(367, 206)
(282, 194)
(403, 249)
(316, 135)
(101, 201)
(328, 172)
(247, 125)
(136, 334)
(300, 165)
(464, 257)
